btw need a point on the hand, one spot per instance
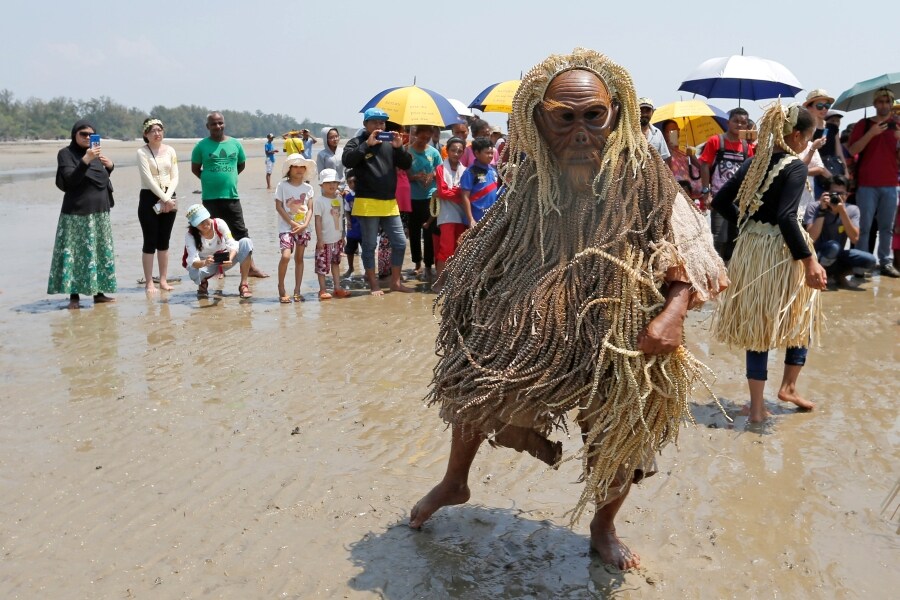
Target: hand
(373, 138)
(90, 154)
(816, 278)
(819, 143)
(320, 246)
(825, 201)
(397, 142)
(878, 128)
(662, 335)
(208, 261)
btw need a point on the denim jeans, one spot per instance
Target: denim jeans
(877, 203)
(836, 259)
(245, 247)
(393, 229)
(757, 362)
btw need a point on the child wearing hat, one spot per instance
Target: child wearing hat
(294, 203)
(329, 220)
(209, 245)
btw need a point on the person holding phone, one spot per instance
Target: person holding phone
(209, 246)
(875, 140)
(84, 260)
(374, 158)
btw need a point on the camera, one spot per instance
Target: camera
(221, 256)
(385, 136)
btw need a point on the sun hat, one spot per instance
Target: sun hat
(496, 129)
(196, 214)
(817, 94)
(299, 160)
(644, 101)
(834, 113)
(374, 113)
(328, 176)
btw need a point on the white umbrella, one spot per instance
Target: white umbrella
(741, 77)
(461, 108)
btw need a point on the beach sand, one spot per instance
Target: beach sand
(165, 447)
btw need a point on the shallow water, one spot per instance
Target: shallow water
(244, 449)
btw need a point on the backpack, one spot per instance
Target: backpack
(185, 255)
(726, 164)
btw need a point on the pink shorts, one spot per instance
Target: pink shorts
(327, 256)
(287, 240)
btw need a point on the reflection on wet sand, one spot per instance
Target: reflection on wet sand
(180, 447)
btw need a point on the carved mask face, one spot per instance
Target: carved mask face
(576, 117)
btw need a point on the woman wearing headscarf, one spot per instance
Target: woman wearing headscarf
(329, 157)
(83, 257)
(158, 165)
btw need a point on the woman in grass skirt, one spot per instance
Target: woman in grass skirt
(83, 256)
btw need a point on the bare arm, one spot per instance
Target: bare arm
(240, 167)
(196, 168)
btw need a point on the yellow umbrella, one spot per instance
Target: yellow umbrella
(696, 121)
(497, 97)
(412, 105)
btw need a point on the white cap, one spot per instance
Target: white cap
(328, 175)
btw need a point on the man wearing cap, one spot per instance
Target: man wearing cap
(374, 158)
(270, 151)
(653, 134)
(308, 143)
(875, 140)
(292, 143)
(217, 161)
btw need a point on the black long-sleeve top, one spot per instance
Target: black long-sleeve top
(374, 167)
(86, 186)
(779, 203)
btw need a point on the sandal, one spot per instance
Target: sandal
(285, 299)
(341, 293)
(299, 298)
(323, 295)
(203, 288)
(244, 290)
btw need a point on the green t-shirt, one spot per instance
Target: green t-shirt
(219, 176)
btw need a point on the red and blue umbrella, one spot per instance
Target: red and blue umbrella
(412, 105)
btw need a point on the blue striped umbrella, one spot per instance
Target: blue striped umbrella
(412, 105)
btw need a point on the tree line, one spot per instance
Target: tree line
(36, 119)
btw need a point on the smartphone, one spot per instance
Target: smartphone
(385, 136)
(95, 140)
(220, 256)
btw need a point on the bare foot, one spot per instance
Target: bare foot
(791, 395)
(164, 285)
(150, 288)
(399, 287)
(74, 304)
(377, 292)
(101, 299)
(612, 551)
(443, 494)
(755, 417)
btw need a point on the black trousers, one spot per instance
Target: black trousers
(421, 212)
(157, 228)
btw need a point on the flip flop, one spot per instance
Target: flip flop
(324, 296)
(244, 290)
(285, 299)
(143, 281)
(299, 298)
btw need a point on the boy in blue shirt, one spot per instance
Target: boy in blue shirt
(478, 185)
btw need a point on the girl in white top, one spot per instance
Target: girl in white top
(294, 203)
(158, 166)
(209, 246)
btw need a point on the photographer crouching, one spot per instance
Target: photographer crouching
(830, 222)
(209, 246)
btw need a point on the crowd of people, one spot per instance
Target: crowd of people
(792, 202)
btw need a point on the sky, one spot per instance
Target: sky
(324, 60)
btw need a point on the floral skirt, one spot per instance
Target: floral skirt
(84, 261)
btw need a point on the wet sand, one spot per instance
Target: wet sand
(139, 462)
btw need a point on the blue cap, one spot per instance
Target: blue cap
(374, 113)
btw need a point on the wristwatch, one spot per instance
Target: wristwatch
(704, 190)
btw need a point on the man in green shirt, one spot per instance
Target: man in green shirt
(217, 160)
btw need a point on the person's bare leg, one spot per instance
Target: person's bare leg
(350, 261)
(374, 287)
(245, 271)
(528, 440)
(283, 264)
(254, 270)
(788, 390)
(604, 540)
(147, 263)
(162, 257)
(454, 487)
(396, 284)
(298, 268)
(757, 409)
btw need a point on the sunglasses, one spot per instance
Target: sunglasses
(85, 133)
(822, 105)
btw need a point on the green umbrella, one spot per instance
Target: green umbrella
(861, 94)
